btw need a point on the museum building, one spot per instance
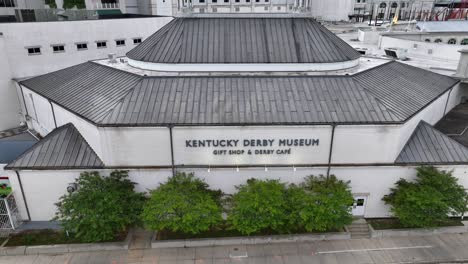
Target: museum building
(234, 98)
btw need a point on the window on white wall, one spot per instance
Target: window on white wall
(452, 41)
(34, 50)
(81, 46)
(101, 44)
(136, 41)
(464, 42)
(438, 41)
(58, 48)
(120, 42)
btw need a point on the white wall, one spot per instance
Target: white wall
(316, 154)
(440, 51)
(365, 144)
(16, 63)
(9, 109)
(135, 146)
(40, 111)
(332, 10)
(43, 188)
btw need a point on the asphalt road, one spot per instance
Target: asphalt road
(448, 248)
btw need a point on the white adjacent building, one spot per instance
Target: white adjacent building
(234, 98)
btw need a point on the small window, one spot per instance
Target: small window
(226, 1)
(358, 1)
(237, 1)
(464, 42)
(279, 8)
(34, 51)
(266, 1)
(438, 41)
(360, 202)
(120, 42)
(101, 44)
(201, 1)
(257, 1)
(427, 40)
(452, 41)
(214, 1)
(82, 46)
(58, 48)
(136, 41)
(247, 1)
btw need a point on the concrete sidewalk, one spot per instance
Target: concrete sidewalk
(430, 249)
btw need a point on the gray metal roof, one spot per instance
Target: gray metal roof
(404, 89)
(88, 89)
(63, 148)
(390, 93)
(243, 40)
(430, 146)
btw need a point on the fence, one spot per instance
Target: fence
(9, 215)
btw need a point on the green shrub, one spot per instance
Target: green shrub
(51, 3)
(101, 208)
(69, 4)
(320, 203)
(183, 204)
(430, 199)
(259, 205)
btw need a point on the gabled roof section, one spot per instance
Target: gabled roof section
(430, 146)
(88, 89)
(63, 148)
(390, 93)
(402, 88)
(243, 40)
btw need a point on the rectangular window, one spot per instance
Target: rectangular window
(247, 1)
(266, 1)
(34, 51)
(136, 41)
(58, 48)
(101, 44)
(81, 46)
(201, 1)
(226, 1)
(214, 1)
(237, 1)
(120, 42)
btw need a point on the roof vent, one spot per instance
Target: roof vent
(112, 58)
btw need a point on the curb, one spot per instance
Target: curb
(418, 231)
(67, 248)
(254, 240)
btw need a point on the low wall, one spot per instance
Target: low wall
(67, 248)
(253, 240)
(418, 231)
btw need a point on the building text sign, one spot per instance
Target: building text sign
(252, 146)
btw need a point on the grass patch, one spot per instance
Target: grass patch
(224, 231)
(5, 191)
(48, 237)
(394, 223)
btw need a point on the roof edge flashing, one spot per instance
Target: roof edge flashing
(244, 67)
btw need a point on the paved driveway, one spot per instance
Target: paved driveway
(430, 249)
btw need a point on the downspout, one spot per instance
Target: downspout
(446, 103)
(53, 113)
(24, 197)
(24, 100)
(331, 150)
(172, 150)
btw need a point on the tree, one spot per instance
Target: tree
(259, 205)
(69, 4)
(427, 201)
(320, 203)
(183, 204)
(51, 3)
(101, 208)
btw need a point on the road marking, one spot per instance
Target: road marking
(370, 249)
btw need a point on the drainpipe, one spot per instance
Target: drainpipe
(53, 113)
(172, 150)
(24, 197)
(331, 150)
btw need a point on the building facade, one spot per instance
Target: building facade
(273, 98)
